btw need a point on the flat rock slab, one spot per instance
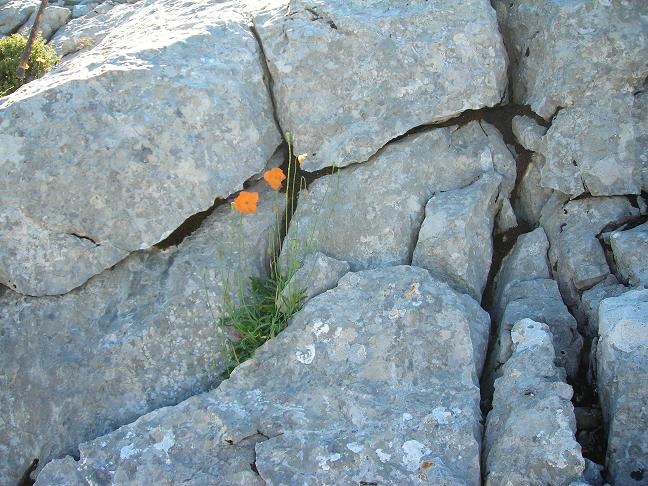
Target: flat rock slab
(115, 149)
(370, 214)
(622, 378)
(530, 431)
(372, 382)
(140, 336)
(350, 75)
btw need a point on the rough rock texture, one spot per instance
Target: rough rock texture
(89, 30)
(372, 382)
(622, 356)
(370, 214)
(505, 220)
(562, 51)
(592, 147)
(89, 176)
(54, 18)
(14, 13)
(318, 274)
(592, 298)
(528, 132)
(576, 254)
(588, 59)
(529, 436)
(530, 196)
(630, 250)
(137, 337)
(350, 75)
(455, 240)
(524, 289)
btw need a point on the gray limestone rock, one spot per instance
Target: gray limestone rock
(350, 75)
(630, 250)
(54, 18)
(529, 436)
(592, 298)
(530, 196)
(89, 30)
(562, 51)
(134, 338)
(374, 381)
(592, 147)
(15, 13)
(528, 132)
(92, 164)
(455, 240)
(370, 214)
(576, 255)
(541, 301)
(622, 356)
(318, 274)
(527, 260)
(586, 59)
(505, 220)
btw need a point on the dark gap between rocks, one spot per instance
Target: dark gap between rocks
(26, 479)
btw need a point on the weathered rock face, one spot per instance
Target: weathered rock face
(622, 355)
(530, 430)
(89, 30)
(631, 254)
(524, 289)
(350, 75)
(137, 337)
(318, 274)
(89, 175)
(373, 381)
(455, 240)
(369, 215)
(576, 253)
(53, 19)
(14, 13)
(562, 51)
(589, 59)
(592, 298)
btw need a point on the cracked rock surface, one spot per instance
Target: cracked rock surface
(140, 336)
(374, 381)
(529, 436)
(350, 75)
(622, 357)
(362, 215)
(92, 148)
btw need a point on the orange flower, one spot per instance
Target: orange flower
(300, 158)
(274, 177)
(246, 202)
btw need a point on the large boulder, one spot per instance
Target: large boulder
(622, 356)
(584, 64)
(530, 430)
(373, 382)
(115, 149)
(370, 214)
(351, 75)
(140, 336)
(53, 19)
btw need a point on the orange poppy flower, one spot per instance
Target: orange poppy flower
(246, 202)
(274, 178)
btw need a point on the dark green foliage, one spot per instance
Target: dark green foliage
(42, 59)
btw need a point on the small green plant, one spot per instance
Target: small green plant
(261, 310)
(41, 60)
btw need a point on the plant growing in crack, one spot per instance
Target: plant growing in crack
(258, 309)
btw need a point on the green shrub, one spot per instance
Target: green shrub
(42, 59)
